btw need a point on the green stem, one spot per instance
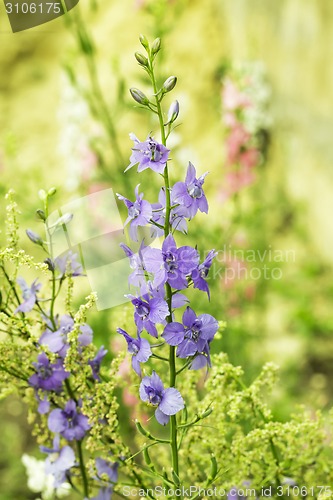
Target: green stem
(167, 229)
(83, 469)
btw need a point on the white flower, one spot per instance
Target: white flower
(40, 482)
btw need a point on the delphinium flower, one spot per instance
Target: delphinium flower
(149, 310)
(192, 337)
(200, 274)
(95, 363)
(69, 422)
(168, 401)
(190, 194)
(109, 469)
(148, 154)
(57, 340)
(171, 264)
(29, 295)
(59, 461)
(68, 263)
(41, 482)
(139, 212)
(139, 348)
(49, 376)
(138, 277)
(178, 214)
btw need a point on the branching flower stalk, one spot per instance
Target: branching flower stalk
(181, 266)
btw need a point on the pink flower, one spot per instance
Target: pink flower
(233, 98)
(236, 142)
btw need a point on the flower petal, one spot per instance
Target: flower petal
(172, 402)
(174, 333)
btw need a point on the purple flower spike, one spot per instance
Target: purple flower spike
(69, 422)
(148, 154)
(172, 264)
(68, 264)
(198, 275)
(96, 362)
(139, 212)
(57, 341)
(111, 470)
(192, 336)
(168, 401)
(148, 311)
(190, 194)
(29, 295)
(48, 376)
(139, 348)
(59, 461)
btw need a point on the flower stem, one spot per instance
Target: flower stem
(167, 230)
(83, 469)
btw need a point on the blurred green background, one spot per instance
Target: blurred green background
(45, 124)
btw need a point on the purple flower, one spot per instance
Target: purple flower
(48, 376)
(139, 212)
(34, 237)
(96, 362)
(189, 194)
(139, 348)
(148, 312)
(29, 295)
(68, 264)
(172, 264)
(177, 214)
(168, 401)
(57, 341)
(192, 336)
(59, 461)
(178, 299)
(69, 422)
(148, 154)
(198, 275)
(137, 277)
(43, 404)
(111, 470)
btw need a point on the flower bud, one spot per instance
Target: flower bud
(169, 84)
(206, 413)
(144, 42)
(156, 46)
(214, 469)
(139, 96)
(146, 456)
(34, 237)
(52, 191)
(42, 194)
(142, 60)
(64, 219)
(50, 264)
(173, 112)
(41, 214)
